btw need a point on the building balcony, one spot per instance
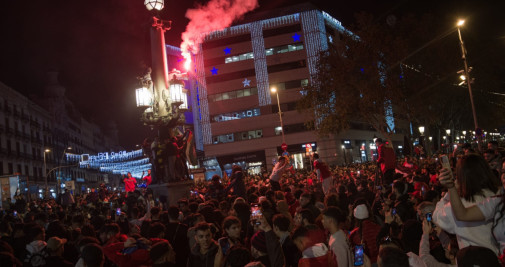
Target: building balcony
(36, 140)
(9, 130)
(25, 136)
(34, 124)
(24, 155)
(25, 118)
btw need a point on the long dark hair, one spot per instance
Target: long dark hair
(501, 208)
(474, 174)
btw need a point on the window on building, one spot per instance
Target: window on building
(233, 94)
(238, 136)
(10, 168)
(287, 66)
(269, 51)
(26, 171)
(1, 168)
(293, 128)
(236, 115)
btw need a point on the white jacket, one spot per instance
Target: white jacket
(467, 233)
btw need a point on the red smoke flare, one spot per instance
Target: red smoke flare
(215, 15)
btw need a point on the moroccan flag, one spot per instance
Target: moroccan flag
(190, 149)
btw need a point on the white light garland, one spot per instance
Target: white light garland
(204, 103)
(315, 38)
(260, 64)
(120, 162)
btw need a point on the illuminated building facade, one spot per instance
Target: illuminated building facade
(29, 127)
(237, 67)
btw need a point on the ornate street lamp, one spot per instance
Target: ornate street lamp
(178, 94)
(467, 78)
(161, 95)
(421, 130)
(144, 97)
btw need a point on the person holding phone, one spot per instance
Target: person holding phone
(475, 183)
(491, 208)
(424, 247)
(265, 246)
(366, 231)
(231, 237)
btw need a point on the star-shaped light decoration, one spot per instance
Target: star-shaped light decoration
(214, 70)
(246, 82)
(227, 51)
(296, 37)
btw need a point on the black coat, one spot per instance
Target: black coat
(291, 253)
(198, 260)
(238, 185)
(176, 234)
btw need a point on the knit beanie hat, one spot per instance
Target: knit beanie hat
(258, 241)
(361, 212)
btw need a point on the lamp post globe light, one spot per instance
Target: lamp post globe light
(154, 4)
(421, 138)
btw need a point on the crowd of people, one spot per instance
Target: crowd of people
(393, 212)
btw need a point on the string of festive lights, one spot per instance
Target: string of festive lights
(121, 162)
(260, 63)
(107, 167)
(314, 35)
(204, 103)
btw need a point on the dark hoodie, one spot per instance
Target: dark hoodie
(238, 184)
(196, 259)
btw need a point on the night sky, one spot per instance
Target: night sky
(98, 46)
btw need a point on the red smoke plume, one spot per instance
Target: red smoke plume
(215, 15)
